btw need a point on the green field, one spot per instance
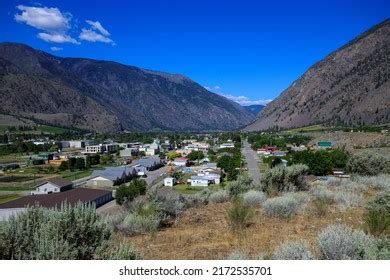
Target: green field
(13, 158)
(8, 197)
(52, 129)
(311, 128)
(11, 179)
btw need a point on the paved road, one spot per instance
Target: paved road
(252, 161)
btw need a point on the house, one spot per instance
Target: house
(150, 163)
(111, 176)
(180, 161)
(203, 180)
(9, 166)
(279, 154)
(226, 145)
(54, 185)
(151, 149)
(169, 182)
(55, 200)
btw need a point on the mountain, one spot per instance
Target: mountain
(351, 86)
(254, 109)
(107, 96)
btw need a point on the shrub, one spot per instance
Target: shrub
(381, 250)
(219, 196)
(169, 203)
(65, 233)
(321, 206)
(123, 251)
(281, 178)
(239, 186)
(294, 250)
(202, 197)
(379, 182)
(348, 199)
(282, 206)
(135, 223)
(128, 193)
(338, 242)
(322, 193)
(239, 215)
(377, 214)
(254, 198)
(368, 164)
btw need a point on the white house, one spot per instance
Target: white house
(203, 180)
(226, 145)
(169, 182)
(53, 186)
(199, 181)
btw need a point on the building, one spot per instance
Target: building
(54, 185)
(129, 152)
(169, 182)
(226, 145)
(180, 161)
(75, 144)
(111, 176)
(55, 200)
(279, 154)
(102, 148)
(149, 163)
(204, 180)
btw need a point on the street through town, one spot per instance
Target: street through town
(252, 161)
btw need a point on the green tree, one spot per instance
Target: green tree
(196, 155)
(80, 164)
(54, 148)
(173, 155)
(125, 193)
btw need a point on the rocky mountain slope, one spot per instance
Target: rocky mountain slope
(351, 86)
(107, 96)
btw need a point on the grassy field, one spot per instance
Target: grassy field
(186, 189)
(13, 158)
(8, 197)
(75, 174)
(51, 129)
(204, 233)
(310, 128)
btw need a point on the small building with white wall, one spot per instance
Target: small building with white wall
(169, 182)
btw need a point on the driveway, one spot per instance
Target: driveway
(252, 161)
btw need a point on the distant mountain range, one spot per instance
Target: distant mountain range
(255, 109)
(107, 96)
(351, 86)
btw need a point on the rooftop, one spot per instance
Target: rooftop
(54, 200)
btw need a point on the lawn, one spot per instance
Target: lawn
(13, 158)
(52, 129)
(187, 189)
(310, 128)
(12, 178)
(8, 197)
(74, 175)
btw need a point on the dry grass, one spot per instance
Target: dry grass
(203, 233)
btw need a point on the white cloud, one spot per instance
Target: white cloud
(57, 38)
(246, 101)
(97, 26)
(56, 49)
(97, 33)
(48, 19)
(52, 21)
(92, 36)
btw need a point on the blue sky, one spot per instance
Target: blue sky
(248, 50)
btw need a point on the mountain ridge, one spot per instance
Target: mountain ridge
(124, 97)
(350, 86)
